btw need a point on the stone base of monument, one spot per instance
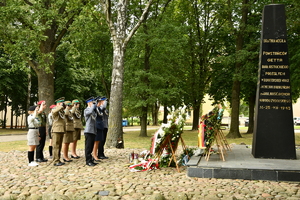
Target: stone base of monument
(240, 164)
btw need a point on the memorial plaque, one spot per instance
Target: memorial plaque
(273, 135)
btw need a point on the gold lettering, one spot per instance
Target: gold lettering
(274, 40)
(273, 80)
(275, 53)
(283, 87)
(274, 60)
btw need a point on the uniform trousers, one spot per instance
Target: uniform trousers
(57, 140)
(89, 145)
(40, 148)
(102, 143)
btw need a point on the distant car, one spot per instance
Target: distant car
(247, 122)
(296, 121)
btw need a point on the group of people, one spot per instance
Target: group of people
(64, 129)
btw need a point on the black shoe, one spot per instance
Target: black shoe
(103, 157)
(59, 164)
(96, 160)
(91, 164)
(67, 160)
(96, 163)
(41, 160)
(75, 157)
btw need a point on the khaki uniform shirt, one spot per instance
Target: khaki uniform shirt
(58, 120)
(76, 117)
(69, 120)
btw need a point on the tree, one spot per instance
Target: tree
(32, 31)
(121, 33)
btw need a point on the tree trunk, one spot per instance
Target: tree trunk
(251, 113)
(143, 132)
(165, 120)
(5, 113)
(46, 86)
(155, 109)
(115, 129)
(11, 118)
(234, 131)
(196, 113)
(28, 94)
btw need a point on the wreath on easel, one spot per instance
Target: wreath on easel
(165, 140)
(210, 123)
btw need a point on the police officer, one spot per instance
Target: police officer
(90, 130)
(58, 130)
(103, 110)
(77, 126)
(42, 132)
(100, 127)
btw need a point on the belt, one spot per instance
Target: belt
(33, 128)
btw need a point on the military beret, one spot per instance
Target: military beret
(61, 99)
(68, 103)
(31, 108)
(40, 102)
(89, 99)
(75, 101)
(52, 106)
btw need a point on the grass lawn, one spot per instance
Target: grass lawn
(133, 141)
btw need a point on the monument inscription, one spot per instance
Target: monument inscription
(273, 129)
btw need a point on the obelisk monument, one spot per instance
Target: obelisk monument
(274, 135)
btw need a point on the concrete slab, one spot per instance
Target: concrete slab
(240, 164)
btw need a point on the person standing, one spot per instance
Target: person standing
(77, 127)
(58, 130)
(50, 122)
(90, 130)
(104, 111)
(42, 131)
(33, 134)
(100, 127)
(68, 136)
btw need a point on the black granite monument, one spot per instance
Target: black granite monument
(274, 135)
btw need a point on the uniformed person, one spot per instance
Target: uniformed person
(90, 130)
(77, 126)
(104, 111)
(100, 127)
(42, 131)
(50, 122)
(68, 136)
(33, 134)
(58, 130)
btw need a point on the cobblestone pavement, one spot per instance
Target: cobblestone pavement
(111, 179)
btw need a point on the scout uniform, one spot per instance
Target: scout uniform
(58, 130)
(42, 131)
(77, 120)
(68, 137)
(76, 113)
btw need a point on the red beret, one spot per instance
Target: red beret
(52, 106)
(40, 102)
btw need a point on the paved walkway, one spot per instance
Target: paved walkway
(112, 180)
